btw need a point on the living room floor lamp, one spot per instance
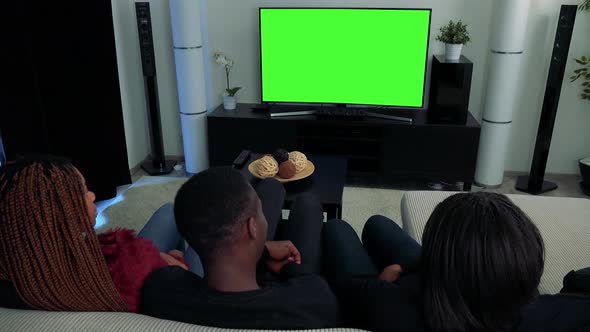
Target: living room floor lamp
(190, 76)
(506, 51)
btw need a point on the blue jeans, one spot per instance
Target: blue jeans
(161, 230)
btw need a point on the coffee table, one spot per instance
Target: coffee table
(327, 183)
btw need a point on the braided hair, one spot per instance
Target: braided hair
(48, 248)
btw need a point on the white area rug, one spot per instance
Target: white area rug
(133, 207)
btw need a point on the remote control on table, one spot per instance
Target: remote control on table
(242, 158)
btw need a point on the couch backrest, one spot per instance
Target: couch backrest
(45, 321)
(563, 222)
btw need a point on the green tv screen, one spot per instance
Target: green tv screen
(344, 56)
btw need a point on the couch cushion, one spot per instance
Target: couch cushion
(563, 222)
(33, 320)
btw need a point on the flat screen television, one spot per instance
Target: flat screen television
(353, 56)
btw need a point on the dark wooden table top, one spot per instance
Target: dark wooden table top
(327, 181)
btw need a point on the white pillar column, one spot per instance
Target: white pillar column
(190, 76)
(509, 31)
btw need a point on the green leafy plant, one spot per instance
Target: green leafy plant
(583, 72)
(454, 33)
(227, 63)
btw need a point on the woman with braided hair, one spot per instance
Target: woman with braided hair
(50, 256)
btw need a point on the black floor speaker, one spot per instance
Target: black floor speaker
(535, 182)
(584, 165)
(157, 164)
(450, 86)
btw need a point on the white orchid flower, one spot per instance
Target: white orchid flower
(220, 58)
(223, 60)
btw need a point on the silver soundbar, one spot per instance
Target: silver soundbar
(389, 117)
(368, 114)
(294, 113)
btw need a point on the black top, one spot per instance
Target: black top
(9, 297)
(301, 301)
(443, 59)
(381, 306)
(375, 305)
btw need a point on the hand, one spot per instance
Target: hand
(391, 273)
(281, 253)
(176, 254)
(171, 261)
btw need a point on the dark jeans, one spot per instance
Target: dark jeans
(384, 243)
(305, 222)
(161, 230)
(303, 228)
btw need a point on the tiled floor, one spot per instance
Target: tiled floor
(568, 185)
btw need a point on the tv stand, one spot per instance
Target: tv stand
(377, 149)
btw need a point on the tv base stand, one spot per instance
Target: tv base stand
(382, 151)
(350, 114)
(389, 117)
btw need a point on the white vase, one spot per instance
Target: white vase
(453, 51)
(229, 102)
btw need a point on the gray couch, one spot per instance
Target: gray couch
(563, 222)
(43, 321)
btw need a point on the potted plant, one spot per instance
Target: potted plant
(454, 35)
(229, 96)
(583, 72)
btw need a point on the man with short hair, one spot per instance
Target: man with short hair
(232, 226)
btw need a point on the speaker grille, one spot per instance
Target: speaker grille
(146, 40)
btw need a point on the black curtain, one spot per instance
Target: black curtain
(63, 96)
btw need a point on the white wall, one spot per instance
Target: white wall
(571, 136)
(166, 74)
(131, 80)
(233, 28)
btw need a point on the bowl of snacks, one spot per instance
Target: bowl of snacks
(282, 165)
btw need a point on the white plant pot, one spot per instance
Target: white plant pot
(229, 102)
(453, 51)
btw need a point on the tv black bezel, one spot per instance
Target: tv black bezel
(337, 103)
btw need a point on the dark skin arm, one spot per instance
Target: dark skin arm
(281, 253)
(171, 258)
(391, 273)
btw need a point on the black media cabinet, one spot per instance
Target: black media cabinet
(386, 149)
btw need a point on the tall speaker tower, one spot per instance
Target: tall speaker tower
(157, 164)
(509, 30)
(190, 76)
(535, 182)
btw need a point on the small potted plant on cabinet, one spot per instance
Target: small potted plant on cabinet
(454, 35)
(229, 96)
